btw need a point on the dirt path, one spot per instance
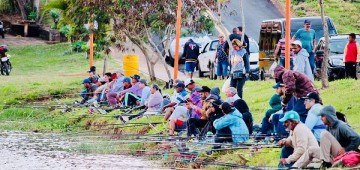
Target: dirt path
(11, 40)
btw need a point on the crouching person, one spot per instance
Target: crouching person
(335, 141)
(299, 140)
(178, 119)
(232, 119)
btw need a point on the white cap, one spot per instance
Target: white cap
(102, 79)
(297, 42)
(188, 81)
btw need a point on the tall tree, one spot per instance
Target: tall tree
(325, 63)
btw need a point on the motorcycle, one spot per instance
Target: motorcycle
(6, 66)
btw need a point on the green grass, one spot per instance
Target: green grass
(43, 71)
(344, 13)
(28, 84)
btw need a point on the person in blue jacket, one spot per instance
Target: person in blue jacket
(233, 120)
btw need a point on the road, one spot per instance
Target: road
(255, 12)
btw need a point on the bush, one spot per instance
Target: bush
(32, 16)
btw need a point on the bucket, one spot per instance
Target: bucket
(130, 64)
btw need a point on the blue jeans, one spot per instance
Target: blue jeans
(312, 61)
(83, 93)
(190, 67)
(285, 153)
(266, 126)
(282, 63)
(222, 68)
(238, 84)
(278, 126)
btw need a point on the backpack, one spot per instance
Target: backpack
(348, 159)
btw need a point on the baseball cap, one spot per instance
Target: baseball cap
(127, 79)
(307, 21)
(143, 81)
(205, 89)
(180, 85)
(290, 115)
(312, 95)
(135, 76)
(86, 81)
(188, 82)
(297, 42)
(277, 85)
(102, 79)
(155, 86)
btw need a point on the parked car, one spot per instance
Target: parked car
(273, 30)
(170, 53)
(206, 59)
(336, 67)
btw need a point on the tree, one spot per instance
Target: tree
(325, 63)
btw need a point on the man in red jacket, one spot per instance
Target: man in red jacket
(351, 56)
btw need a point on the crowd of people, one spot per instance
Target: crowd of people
(305, 128)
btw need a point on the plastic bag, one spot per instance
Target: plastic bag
(272, 67)
(225, 85)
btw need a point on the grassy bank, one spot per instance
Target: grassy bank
(344, 13)
(44, 70)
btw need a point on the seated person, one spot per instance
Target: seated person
(232, 119)
(178, 99)
(101, 83)
(210, 108)
(300, 139)
(112, 97)
(90, 89)
(145, 93)
(275, 104)
(152, 105)
(177, 120)
(216, 92)
(133, 94)
(93, 77)
(231, 95)
(243, 108)
(338, 138)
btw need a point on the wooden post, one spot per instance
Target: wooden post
(26, 29)
(287, 34)
(91, 45)
(177, 47)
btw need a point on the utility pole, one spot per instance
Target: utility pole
(177, 47)
(287, 34)
(91, 44)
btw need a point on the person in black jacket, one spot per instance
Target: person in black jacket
(191, 54)
(237, 33)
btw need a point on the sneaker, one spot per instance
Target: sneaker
(96, 104)
(102, 111)
(124, 119)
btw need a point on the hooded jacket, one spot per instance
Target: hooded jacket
(302, 64)
(154, 102)
(191, 51)
(296, 83)
(343, 133)
(275, 104)
(234, 121)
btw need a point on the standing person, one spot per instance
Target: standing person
(240, 66)
(300, 139)
(280, 49)
(351, 56)
(307, 36)
(237, 33)
(296, 84)
(222, 58)
(191, 54)
(301, 60)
